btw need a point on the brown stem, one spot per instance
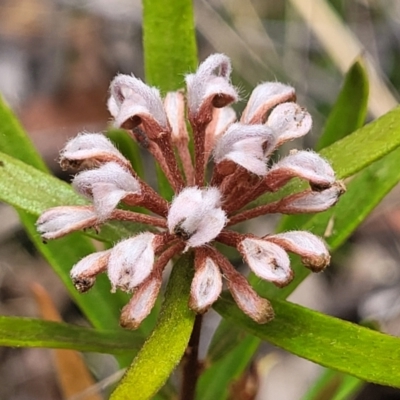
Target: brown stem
(124, 215)
(199, 136)
(191, 365)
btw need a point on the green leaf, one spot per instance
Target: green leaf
(333, 385)
(328, 341)
(169, 52)
(350, 109)
(29, 332)
(169, 42)
(165, 347)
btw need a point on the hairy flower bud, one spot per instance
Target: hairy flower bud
(132, 103)
(59, 221)
(245, 145)
(267, 260)
(131, 261)
(196, 216)
(210, 87)
(310, 248)
(84, 273)
(206, 284)
(90, 150)
(107, 186)
(304, 165)
(289, 121)
(263, 99)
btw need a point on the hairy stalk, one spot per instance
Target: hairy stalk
(190, 362)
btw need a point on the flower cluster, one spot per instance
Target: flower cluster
(202, 210)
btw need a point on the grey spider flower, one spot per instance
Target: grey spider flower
(201, 212)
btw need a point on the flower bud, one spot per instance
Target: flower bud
(310, 248)
(59, 221)
(289, 121)
(311, 201)
(107, 186)
(89, 150)
(263, 99)
(84, 273)
(174, 104)
(142, 302)
(131, 261)
(196, 216)
(132, 103)
(210, 87)
(304, 165)
(245, 145)
(267, 260)
(206, 284)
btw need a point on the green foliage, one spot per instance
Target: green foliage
(28, 332)
(165, 347)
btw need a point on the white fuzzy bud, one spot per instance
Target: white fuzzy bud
(206, 285)
(88, 150)
(132, 103)
(196, 216)
(59, 221)
(131, 261)
(107, 186)
(289, 121)
(84, 273)
(263, 99)
(245, 145)
(210, 87)
(142, 302)
(304, 165)
(311, 248)
(267, 260)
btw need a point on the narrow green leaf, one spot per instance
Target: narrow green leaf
(169, 42)
(165, 347)
(333, 385)
(328, 341)
(350, 109)
(29, 332)
(170, 51)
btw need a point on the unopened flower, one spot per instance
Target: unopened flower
(202, 212)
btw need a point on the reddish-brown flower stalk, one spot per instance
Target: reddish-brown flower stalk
(200, 213)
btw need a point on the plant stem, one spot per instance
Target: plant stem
(191, 365)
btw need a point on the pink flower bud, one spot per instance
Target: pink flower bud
(131, 262)
(206, 284)
(311, 201)
(265, 97)
(267, 260)
(142, 302)
(84, 273)
(289, 121)
(59, 221)
(245, 145)
(196, 216)
(107, 186)
(311, 248)
(174, 104)
(210, 87)
(132, 103)
(89, 150)
(304, 165)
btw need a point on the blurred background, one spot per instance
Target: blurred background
(57, 58)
